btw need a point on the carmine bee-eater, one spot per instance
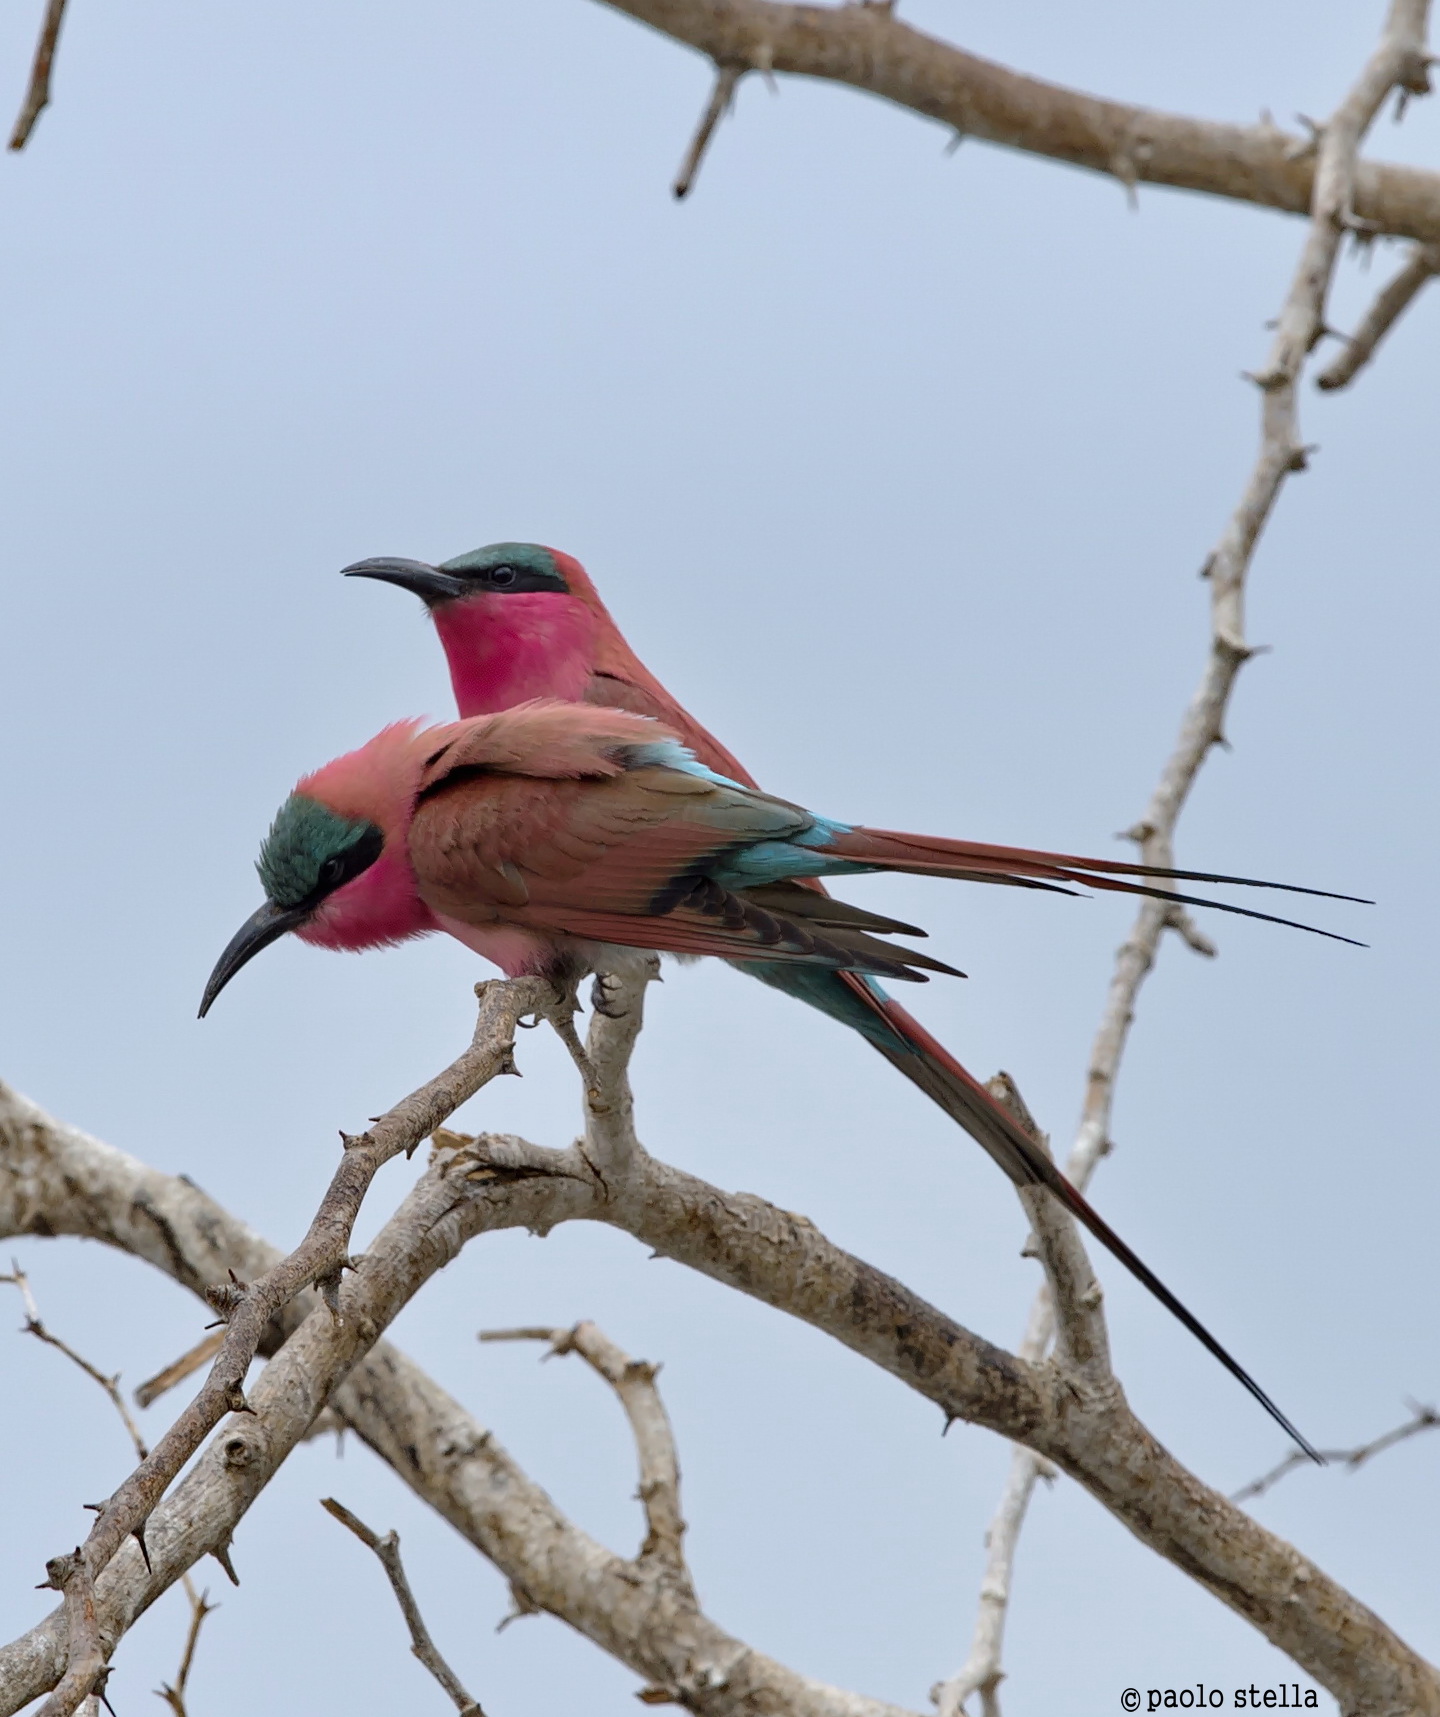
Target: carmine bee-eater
(556, 838)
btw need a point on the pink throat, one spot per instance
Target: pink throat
(380, 907)
(504, 650)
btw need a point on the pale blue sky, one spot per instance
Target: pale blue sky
(898, 467)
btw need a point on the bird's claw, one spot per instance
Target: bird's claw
(561, 1015)
(600, 997)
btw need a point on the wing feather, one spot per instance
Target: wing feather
(559, 820)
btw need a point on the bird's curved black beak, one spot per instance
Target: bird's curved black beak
(429, 583)
(258, 931)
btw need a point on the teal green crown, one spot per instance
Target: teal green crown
(303, 839)
(534, 564)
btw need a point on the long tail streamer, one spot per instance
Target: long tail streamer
(930, 1066)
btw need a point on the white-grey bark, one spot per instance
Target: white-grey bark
(1298, 330)
(869, 48)
(1070, 1411)
(57, 1180)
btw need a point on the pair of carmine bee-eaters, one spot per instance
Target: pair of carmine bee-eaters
(577, 815)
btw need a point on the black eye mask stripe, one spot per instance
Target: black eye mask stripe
(507, 577)
(344, 867)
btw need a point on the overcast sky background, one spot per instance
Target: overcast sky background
(898, 467)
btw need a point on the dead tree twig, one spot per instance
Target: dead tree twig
(1082, 1343)
(37, 94)
(1399, 60)
(1421, 1419)
(870, 48)
(204, 1350)
(200, 1608)
(421, 1644)
(34, 1325)
(58, 1179)
(247, 1309)
(1422, 265)
(634, 1384)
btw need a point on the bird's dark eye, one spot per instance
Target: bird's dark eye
(331, 872)
(502, 577)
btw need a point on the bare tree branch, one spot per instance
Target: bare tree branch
(870, 49)
(500, 1181)
(1069, 1410)
(421, 1644)
(1082, 1343)
(111, 1385)
(634, 1383)
(1422, 265)
(982, 1671)
(37, 95)
(204, 1350)
(86, 1665)
(1398, 61)
(247, 1310)
(1421, 1419)
(785, 1261)
(200, 1608)
(54, 1178)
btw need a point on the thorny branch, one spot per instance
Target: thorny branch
(497, 1165)
(37, 95)
(634, 1383)
(111, 1385)
(421, 1644)
(1422, 265)
(200, 1607)
(1070, 1291)
(869, 48)
(1399, 61)
(59, 1181)
(247, 1310)
(53, 1178)
(1421, 1419)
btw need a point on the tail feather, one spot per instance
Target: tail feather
(975, 861)
(927, 1064)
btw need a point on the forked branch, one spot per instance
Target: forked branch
(869, 48)
(475, 1186)
(174, 1693)
(35, 1326)
(1399, 61)
(200, 1606)
(1392, 301)
(248, 1309)
(1421, 1419)
(636, 1610)
(634, 1384)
